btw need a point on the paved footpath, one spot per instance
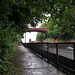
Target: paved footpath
(33, 65)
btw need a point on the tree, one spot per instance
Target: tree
(41, 36)
(63, 15)
(57, 31)
(15, 15)
(61, 23)
(44, 25)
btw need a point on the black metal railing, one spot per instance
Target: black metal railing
(59, 53)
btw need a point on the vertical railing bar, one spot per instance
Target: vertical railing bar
(42, 49)
(74, 55)
(48, 52)
(57, 53)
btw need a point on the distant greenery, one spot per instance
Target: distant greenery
(41, 36)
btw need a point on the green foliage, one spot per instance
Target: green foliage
(62, 21)
(15, 15)
(60, 30)
(64, 17)
(38, 38)
(41, 36)
(44, 25)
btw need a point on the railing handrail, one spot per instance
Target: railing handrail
(52, 43)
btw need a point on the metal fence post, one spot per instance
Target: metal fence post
(25, 37)
(57, 53)
(74, 55)
(48, 52)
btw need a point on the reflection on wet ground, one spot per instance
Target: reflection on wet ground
(31, 64)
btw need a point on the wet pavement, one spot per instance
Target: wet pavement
(31, 64)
